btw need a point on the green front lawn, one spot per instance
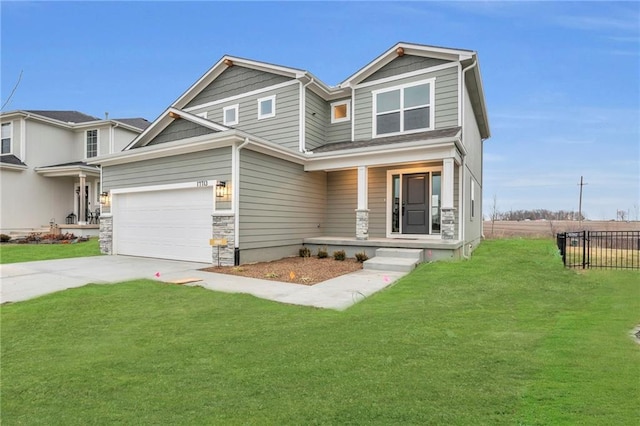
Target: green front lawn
(508, 337)
(13, 253)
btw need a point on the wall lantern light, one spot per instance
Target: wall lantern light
(104, 198)
(221, 189)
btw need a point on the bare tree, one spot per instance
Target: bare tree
(622, 215)
(494, 212)
(12, 91)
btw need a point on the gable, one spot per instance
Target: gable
(404, 64)
(234, 81)
(180, 129)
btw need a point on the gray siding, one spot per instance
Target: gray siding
(403, 64)
(236, 81)
(180, 129)
(192, 167)
(342, 201)
(377, 202)
(317, 120)
(339, 132)
(283, 129)
(280, 203)
(446, 101)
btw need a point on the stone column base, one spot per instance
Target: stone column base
(106, 234)
(448, 224)
(362, 224)
(223, 227)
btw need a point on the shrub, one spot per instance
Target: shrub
(339, 255)
(361, 257)
(323, 253)
(305, 252)
(5, 238)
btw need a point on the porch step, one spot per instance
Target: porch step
(392, 259)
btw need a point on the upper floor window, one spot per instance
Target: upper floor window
(92, 143)
(403, 109)
(267, 107)
(6, 138)
(340, 111)
(230, 115)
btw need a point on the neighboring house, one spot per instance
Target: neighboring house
(269, 158)
(44, 175)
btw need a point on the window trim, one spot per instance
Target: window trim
(374, 93)
(472, 198)
(346, 102)
(236, 108)
(86, 142)
(271, 98)
(10, 124)
(203, 114)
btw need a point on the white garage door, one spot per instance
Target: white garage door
(168, 224)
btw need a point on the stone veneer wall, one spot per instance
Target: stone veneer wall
(448, 230)
(362, 224)
(106, 234)
(224, 228)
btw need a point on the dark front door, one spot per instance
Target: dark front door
(415, 213)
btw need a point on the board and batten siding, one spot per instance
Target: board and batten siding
(283, 129)
(280, 203)
(213, 164)
(317, 120)
(446, 101)
(180, 129)
(234, 81)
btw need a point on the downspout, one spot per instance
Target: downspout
(236, 196)
(464, 160)
(303, 116)
(353, 115)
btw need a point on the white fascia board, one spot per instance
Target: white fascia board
(478, 77)
(199, 120)
(195, 144)
(397, 155)
(17, 167)
(407, 75)
(63, 171)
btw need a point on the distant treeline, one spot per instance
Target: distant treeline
(539, 214)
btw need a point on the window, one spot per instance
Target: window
(6, 138)
(340, 111)
(473, 199)
(230, 115)
(267, 107)
(92, 143)
(403, 109)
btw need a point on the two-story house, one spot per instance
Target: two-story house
(44, 175)
(266, 158)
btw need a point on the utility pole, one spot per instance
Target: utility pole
(580, 205)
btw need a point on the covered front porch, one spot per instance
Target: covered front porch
(81, 202)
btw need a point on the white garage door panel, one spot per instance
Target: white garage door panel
(169, 224)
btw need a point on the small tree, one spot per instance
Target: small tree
(494, 212)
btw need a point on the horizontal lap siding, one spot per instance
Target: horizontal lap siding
(446, 101)
(377, 202)
(283, 129)
(342, 201)
(206, 165)
(404, 64)
(339, 132)
(316, 120)
(280, 203)
(236, 81)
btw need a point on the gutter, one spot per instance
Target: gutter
(235, 179)
(464, 157)
(302, 146)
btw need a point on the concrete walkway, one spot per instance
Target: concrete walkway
(23, 281)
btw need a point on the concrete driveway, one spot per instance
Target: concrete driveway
(23, 281)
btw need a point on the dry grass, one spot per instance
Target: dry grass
(549, 228)
(298, 270)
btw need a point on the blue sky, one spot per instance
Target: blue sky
(561, 78)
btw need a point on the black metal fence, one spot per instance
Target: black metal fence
(600, 249)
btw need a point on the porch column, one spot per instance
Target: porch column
(362, 212)
(448, 216)
(82, 217)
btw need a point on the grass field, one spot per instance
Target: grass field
(507, 337)
(13, 253)
(549, 228)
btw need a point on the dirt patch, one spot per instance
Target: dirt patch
(298, 270)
